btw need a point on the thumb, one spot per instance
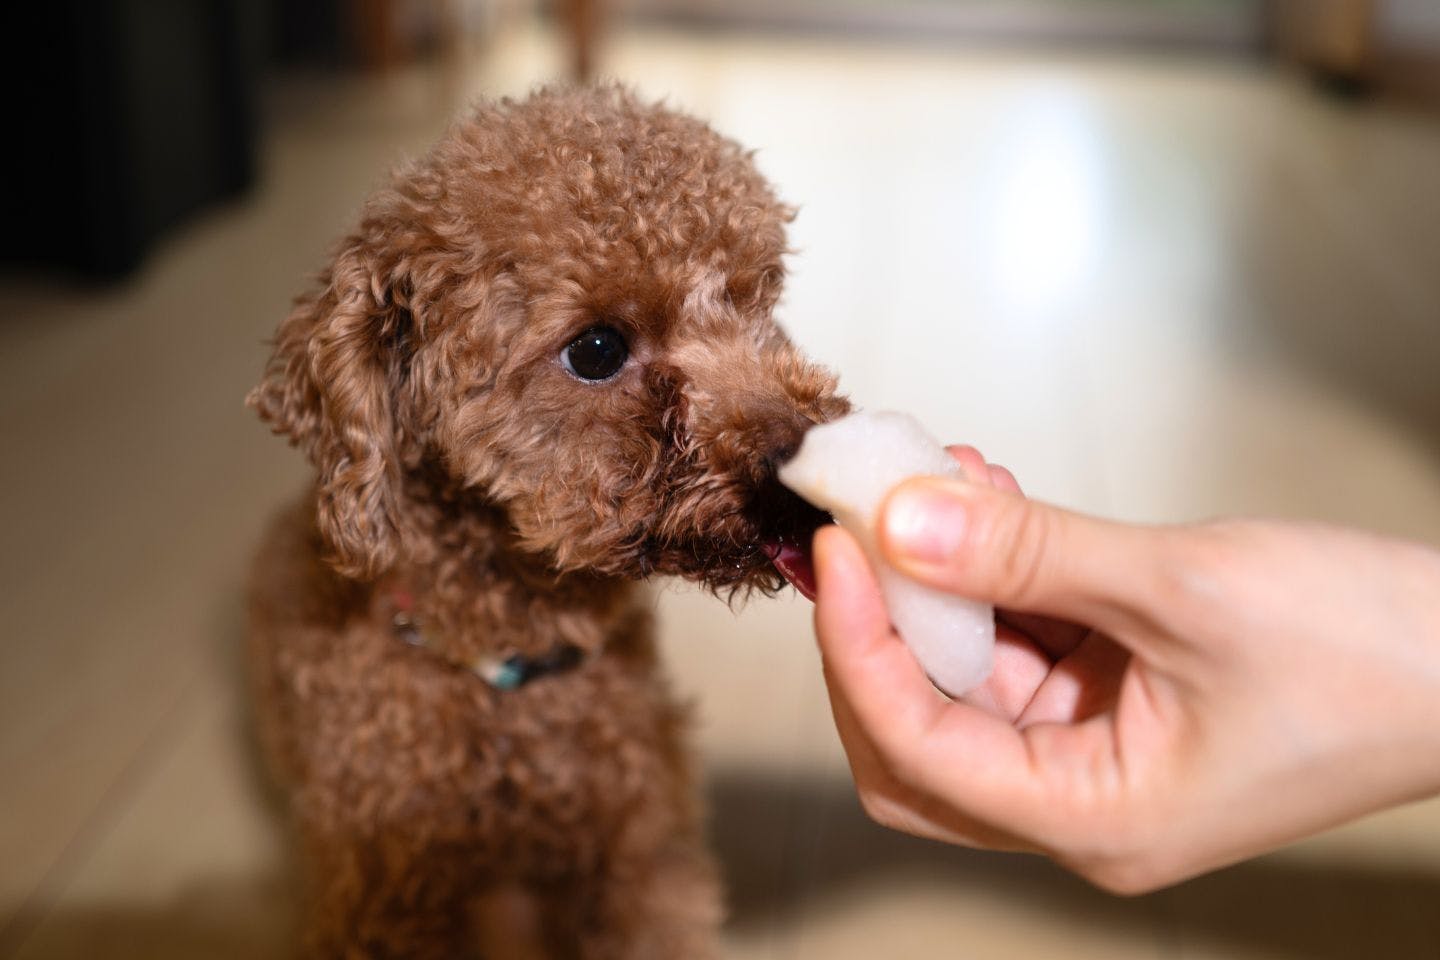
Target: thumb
(997, 546)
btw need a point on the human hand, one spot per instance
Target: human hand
(1165, 700)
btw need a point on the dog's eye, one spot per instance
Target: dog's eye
(597, 354)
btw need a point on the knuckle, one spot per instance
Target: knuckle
(1024, 537)
(878, 807)
(1126, 856)
(894, 813)
(1124, 877)
(1196, 571)
(906, 768)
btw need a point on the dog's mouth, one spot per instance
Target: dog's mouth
(792, 557)
(788, 524)
(767, 545)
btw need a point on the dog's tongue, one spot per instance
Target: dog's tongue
(795, 564)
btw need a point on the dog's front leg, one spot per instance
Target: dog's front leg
(660, 905)
(380, 897)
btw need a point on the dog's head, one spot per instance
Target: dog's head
(564, 310)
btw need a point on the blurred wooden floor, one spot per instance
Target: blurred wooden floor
(1157, 289)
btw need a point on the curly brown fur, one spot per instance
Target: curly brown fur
(519, 504)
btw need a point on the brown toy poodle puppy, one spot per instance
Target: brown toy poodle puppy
(542, 369)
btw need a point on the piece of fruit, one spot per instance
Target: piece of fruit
(847, 467)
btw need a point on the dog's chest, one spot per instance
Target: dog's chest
(418, 742)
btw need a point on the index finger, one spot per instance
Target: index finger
(907, 721)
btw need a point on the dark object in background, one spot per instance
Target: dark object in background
(1333, 40)
(582, 21)
(128, 116)
(1356, 48)
(312, 33)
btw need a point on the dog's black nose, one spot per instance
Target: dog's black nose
(781, 443)
(777, 458)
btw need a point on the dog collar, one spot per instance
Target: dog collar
(502, 673)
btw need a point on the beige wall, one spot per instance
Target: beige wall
(1410, 24)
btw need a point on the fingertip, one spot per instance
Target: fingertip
(833, 543)
(971, 461)
(925, 521)
(847, 598)
(839, 561)
(1002, 479)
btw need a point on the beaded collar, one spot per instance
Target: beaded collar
(502, 673)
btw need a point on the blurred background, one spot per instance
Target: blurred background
(1165, 258)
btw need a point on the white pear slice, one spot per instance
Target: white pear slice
(847, 467)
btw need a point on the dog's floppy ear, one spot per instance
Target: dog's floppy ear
(329, 388)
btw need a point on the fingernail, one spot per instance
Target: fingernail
(924, 523)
